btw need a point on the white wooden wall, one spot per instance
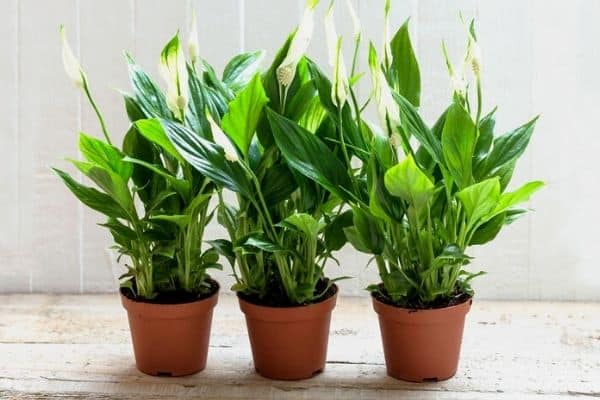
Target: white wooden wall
(539, 56)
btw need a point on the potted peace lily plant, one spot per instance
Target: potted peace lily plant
(423, 196)
(157, 206)
(284, 227)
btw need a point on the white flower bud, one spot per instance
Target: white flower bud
(334, 46)
(70, 62)
(298, 46)
(223, 140)
(355, 20)
(181, 102)
(192, 45)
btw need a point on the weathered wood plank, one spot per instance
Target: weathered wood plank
(78, 347)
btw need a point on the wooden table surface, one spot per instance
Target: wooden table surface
(78, 347)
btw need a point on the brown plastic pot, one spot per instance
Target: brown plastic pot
(421, 345)
(289, 343)
(170, 339)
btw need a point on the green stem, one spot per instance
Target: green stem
(86, 90)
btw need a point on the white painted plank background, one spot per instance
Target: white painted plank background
(539, 57)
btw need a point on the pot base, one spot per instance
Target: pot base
(170, 339)
(289, 343)
(421, 345)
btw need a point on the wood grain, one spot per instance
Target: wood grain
(79, 347)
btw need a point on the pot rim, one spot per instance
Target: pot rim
(417, 315)
(289, 314)
(171, 311)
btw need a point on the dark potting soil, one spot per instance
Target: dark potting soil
(455, 299)
(175, 296)
(277, 298)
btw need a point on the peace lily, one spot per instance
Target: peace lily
(222, 139)
(355, 20)
(192, 45)
(339, 92)
(173, 70)
(70, 62)
(287, 69)
(75, 72)
(387, 107)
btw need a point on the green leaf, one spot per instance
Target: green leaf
(412, 123)
(485, 139)
(180, 185)
(239, 123)
(309, 156)
(148, 95)
(305, 223)
(91, 197)
(369, 231)
(197, 105)
(480, 200)
(241, 68)
(208, 158)
(408, 182)
(110, 182)
(277, 184)
(224, 248)
(489, 230)
(458, 144)
(355, 239)
(152, 130)
(134, 111)
(404, 69)
(507, 148)
(335, 238)
(520, 195)
(105, 155)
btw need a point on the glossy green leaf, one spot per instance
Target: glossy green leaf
(406, 78)
(507, 148)
(152, 130)
(309, 156)
(180, 220)
(208, 158)
(458, 144)
(407, 181)
(197, 105)
(105, 155)
(522, 194)
(241, 68)
(110, 182)
(91, 197)
(334, 231)
(480, 200)
(148, 95)
(240, 122)
(305, 223)
(369, 230)
(180, 185)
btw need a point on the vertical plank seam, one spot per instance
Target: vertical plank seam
(530, 162)
(80, 210)
(18, 136)
(242, 23)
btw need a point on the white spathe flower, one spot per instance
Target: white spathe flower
(287, 69)
(173, 70)
(223, 140)
(339, 94)
(355, 20)
(193, 45)
(387, 107)
(459, 84)
(474, 55)
(70, 62)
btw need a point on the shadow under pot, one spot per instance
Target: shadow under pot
(421, 345)
(289, 343)
(171, 339)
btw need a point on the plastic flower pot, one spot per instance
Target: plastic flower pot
(421, 345)
(289, 343)
(170, 339)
